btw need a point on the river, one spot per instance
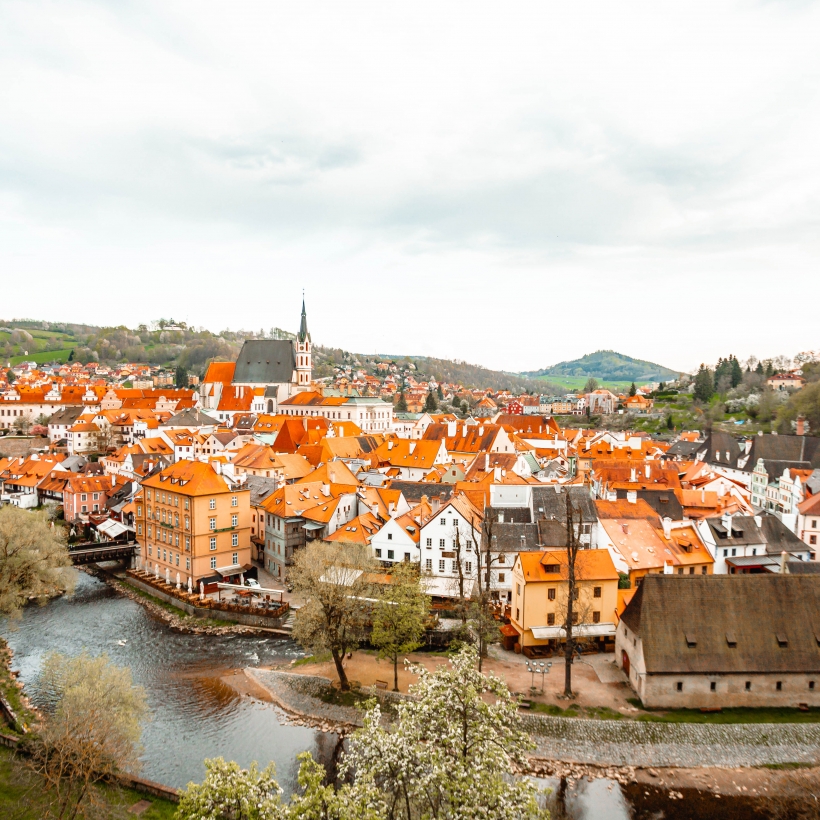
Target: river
(196, 715)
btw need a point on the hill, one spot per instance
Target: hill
(168, 343)
(609, 366)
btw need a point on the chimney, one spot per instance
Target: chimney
(703, 495)
(633, 475)
(667, 526)
(389, 445)
(481, 430)
(625, 528)
(801, 426)
(326, 490)
(304, 422)
(451, 429)
(486, 462)
(412, 447)
(113, 481)
(464, 430)
(648, 470)
(632, 496)
(784, 562)
(391, 508)
(726, 520)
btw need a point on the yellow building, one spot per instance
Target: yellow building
(190, 520)
(541, 592)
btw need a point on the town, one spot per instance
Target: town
(689, 556)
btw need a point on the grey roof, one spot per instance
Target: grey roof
(74, 464)
(517, 537)
(774, 469)
(67, 416)
(265, 361)
(517, 515)
(813, 482)
(664, 502)
(547, 503)
(684, 449)
(804, 567)
(414, 490)
(727, 623)
(715, 447)
(772, 533)
(191, 417)
(792, 449)
(260, 488)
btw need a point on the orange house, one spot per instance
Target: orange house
(190, 520)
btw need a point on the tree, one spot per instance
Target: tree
(181, 376)
(736, 372)
(670, 422)
(632, 389)
(805, 403)
(71, 355)
(439, 392)
(704, 384)
(334, 581)
(573, 545)
(22, 424)
(11, 378)
(401, 404)
(93, 732)
(430, 404)
(34, 561)
(450, 752)
(591, 386)
(233, 793)
(399, 617)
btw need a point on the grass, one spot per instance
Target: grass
(578, 382)
(22, 796)
(734, 715)
(574, 711)
(322, 657)
(44, 356)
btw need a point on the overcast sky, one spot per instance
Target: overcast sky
(513, 184)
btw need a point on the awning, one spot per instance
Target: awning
(234, 569)
(545, 633)
(312, 525)
(112, 528)
(444, 587)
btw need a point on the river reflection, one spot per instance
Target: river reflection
(196, 714)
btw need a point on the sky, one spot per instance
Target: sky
(510, 184)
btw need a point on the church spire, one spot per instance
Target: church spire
(303, 331)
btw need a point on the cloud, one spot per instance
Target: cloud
(583, 169)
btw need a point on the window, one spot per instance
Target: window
(551, 593)
(713, 686)
(165, 556)
(148, 494)
(83, 497)
(575, 617)
(390, 536)
(96, 496)
(596, 617)
(84, 508)
(725, 553)
(187, 543)
(139, 529)
(501, 577)
(177, 559)
(441, 565)
(187, 523)
(428, 564)
(213, 562)
(469, 545)
(212, 523)
(176, 519)
(596, 592)
(443, 522)
(234, 520)
(551, 619)
(680, 570)
(391, 554)
(748, 686)
(234, 501)
(139, 510)
(429, 543)
(734, 551)
(679, 686)
(378, 553)
(703, 571)
(235, 539)
(188, 564)
(468, 567)
(518, 589)
(812, 539)
(501, 558)
(691, 570)
(149, 549)
(453, 567)
(213, 543)
(779, 686)
(186, 504)
(212, 504)
(441, 543)
(234, 557)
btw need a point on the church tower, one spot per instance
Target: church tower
(303, 355)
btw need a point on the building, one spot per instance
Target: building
(722, 641)
(785, 381)
(540, 593)
(808, 524)
(193, 521)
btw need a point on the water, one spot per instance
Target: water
(196, 714)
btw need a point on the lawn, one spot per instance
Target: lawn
(578, 383)
(44, 356)
(22, 796)
(735, 715)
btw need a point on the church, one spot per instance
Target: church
(266, 372)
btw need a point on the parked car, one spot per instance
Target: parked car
(252, 583)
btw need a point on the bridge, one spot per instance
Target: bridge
(91, 553)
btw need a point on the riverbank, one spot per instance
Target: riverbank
(173, 616)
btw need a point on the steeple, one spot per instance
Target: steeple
(303, 331)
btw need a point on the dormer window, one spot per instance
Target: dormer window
(782, 639)
(691, 639)
(731, 640)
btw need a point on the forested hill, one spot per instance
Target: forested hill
(607, 365)
(168, 343)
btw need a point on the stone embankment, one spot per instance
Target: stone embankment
(577, 747)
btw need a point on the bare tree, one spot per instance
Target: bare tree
(573, 546)
(93, 732)
(334, 581)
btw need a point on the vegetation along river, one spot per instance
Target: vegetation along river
(195, 714)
